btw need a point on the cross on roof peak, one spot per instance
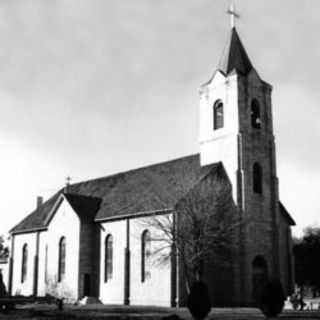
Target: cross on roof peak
(68, 180)
(233, 14)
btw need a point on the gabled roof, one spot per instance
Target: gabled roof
(36, 219)
(234, 56)
(153, 188)
(148, 189)
(286, 214)
(85, 207)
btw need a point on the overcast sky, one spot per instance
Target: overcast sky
(89, 88)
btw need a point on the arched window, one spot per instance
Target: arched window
(257, 178)
(218, 118)
(24, 264)
(255, 114)
(145, 256)
(108, 258)
(62, 259)
(46, 265)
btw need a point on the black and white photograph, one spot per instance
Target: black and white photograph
(159, 159)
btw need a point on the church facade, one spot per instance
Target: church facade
(95, 238)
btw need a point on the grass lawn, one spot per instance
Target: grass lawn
(41, 312)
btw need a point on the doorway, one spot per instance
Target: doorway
(259, 277)
(86, 285)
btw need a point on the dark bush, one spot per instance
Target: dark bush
(272, 298)
(3, 291)
(198, 301)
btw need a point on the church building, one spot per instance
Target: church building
(93, 238)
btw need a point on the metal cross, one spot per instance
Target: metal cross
(68, 180)
(233, 14)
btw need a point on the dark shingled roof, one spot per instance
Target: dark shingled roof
(286, 214)
(148, 189)
(85, 207)
(153, 188)
(234, 56)
(37, 218)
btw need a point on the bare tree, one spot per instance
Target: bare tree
(4, 249)
(200, 228)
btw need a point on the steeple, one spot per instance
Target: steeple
(234, 56)
(236, 129)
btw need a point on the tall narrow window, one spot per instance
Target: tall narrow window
(145, 256)
(255, 114)
(218, 117)
(257, 178)
(24, 264)
(62, 259)
(108, 259)
(46, 265)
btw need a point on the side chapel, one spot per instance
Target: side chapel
(90, 238)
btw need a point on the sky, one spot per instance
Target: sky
(89, 88)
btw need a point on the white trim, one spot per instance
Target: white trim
(54, 208)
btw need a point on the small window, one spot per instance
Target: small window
(255, 114)
(145, 256)
(218, 117)
(108, 259)
(24, 264)
(62, 259)
(257, 178)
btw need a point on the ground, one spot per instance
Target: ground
(42, 312)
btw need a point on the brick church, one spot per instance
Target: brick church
(91, 238)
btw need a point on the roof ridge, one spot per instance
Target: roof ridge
(161, 185)
(135, 169)
(74, 194)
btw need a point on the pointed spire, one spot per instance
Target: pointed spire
(234, 56)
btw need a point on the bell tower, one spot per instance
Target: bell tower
(236, 129)
(222, 108)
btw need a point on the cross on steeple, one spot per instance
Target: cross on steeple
(233, 14)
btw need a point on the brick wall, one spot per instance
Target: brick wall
(212, 200)
(286, 256)
(89, 259)
(239, 146)
(260, 217)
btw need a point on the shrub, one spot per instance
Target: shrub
(198, 301)
(3, 291)
(272, 298)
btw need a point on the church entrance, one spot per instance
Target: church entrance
(259, 277)
(86, 285)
